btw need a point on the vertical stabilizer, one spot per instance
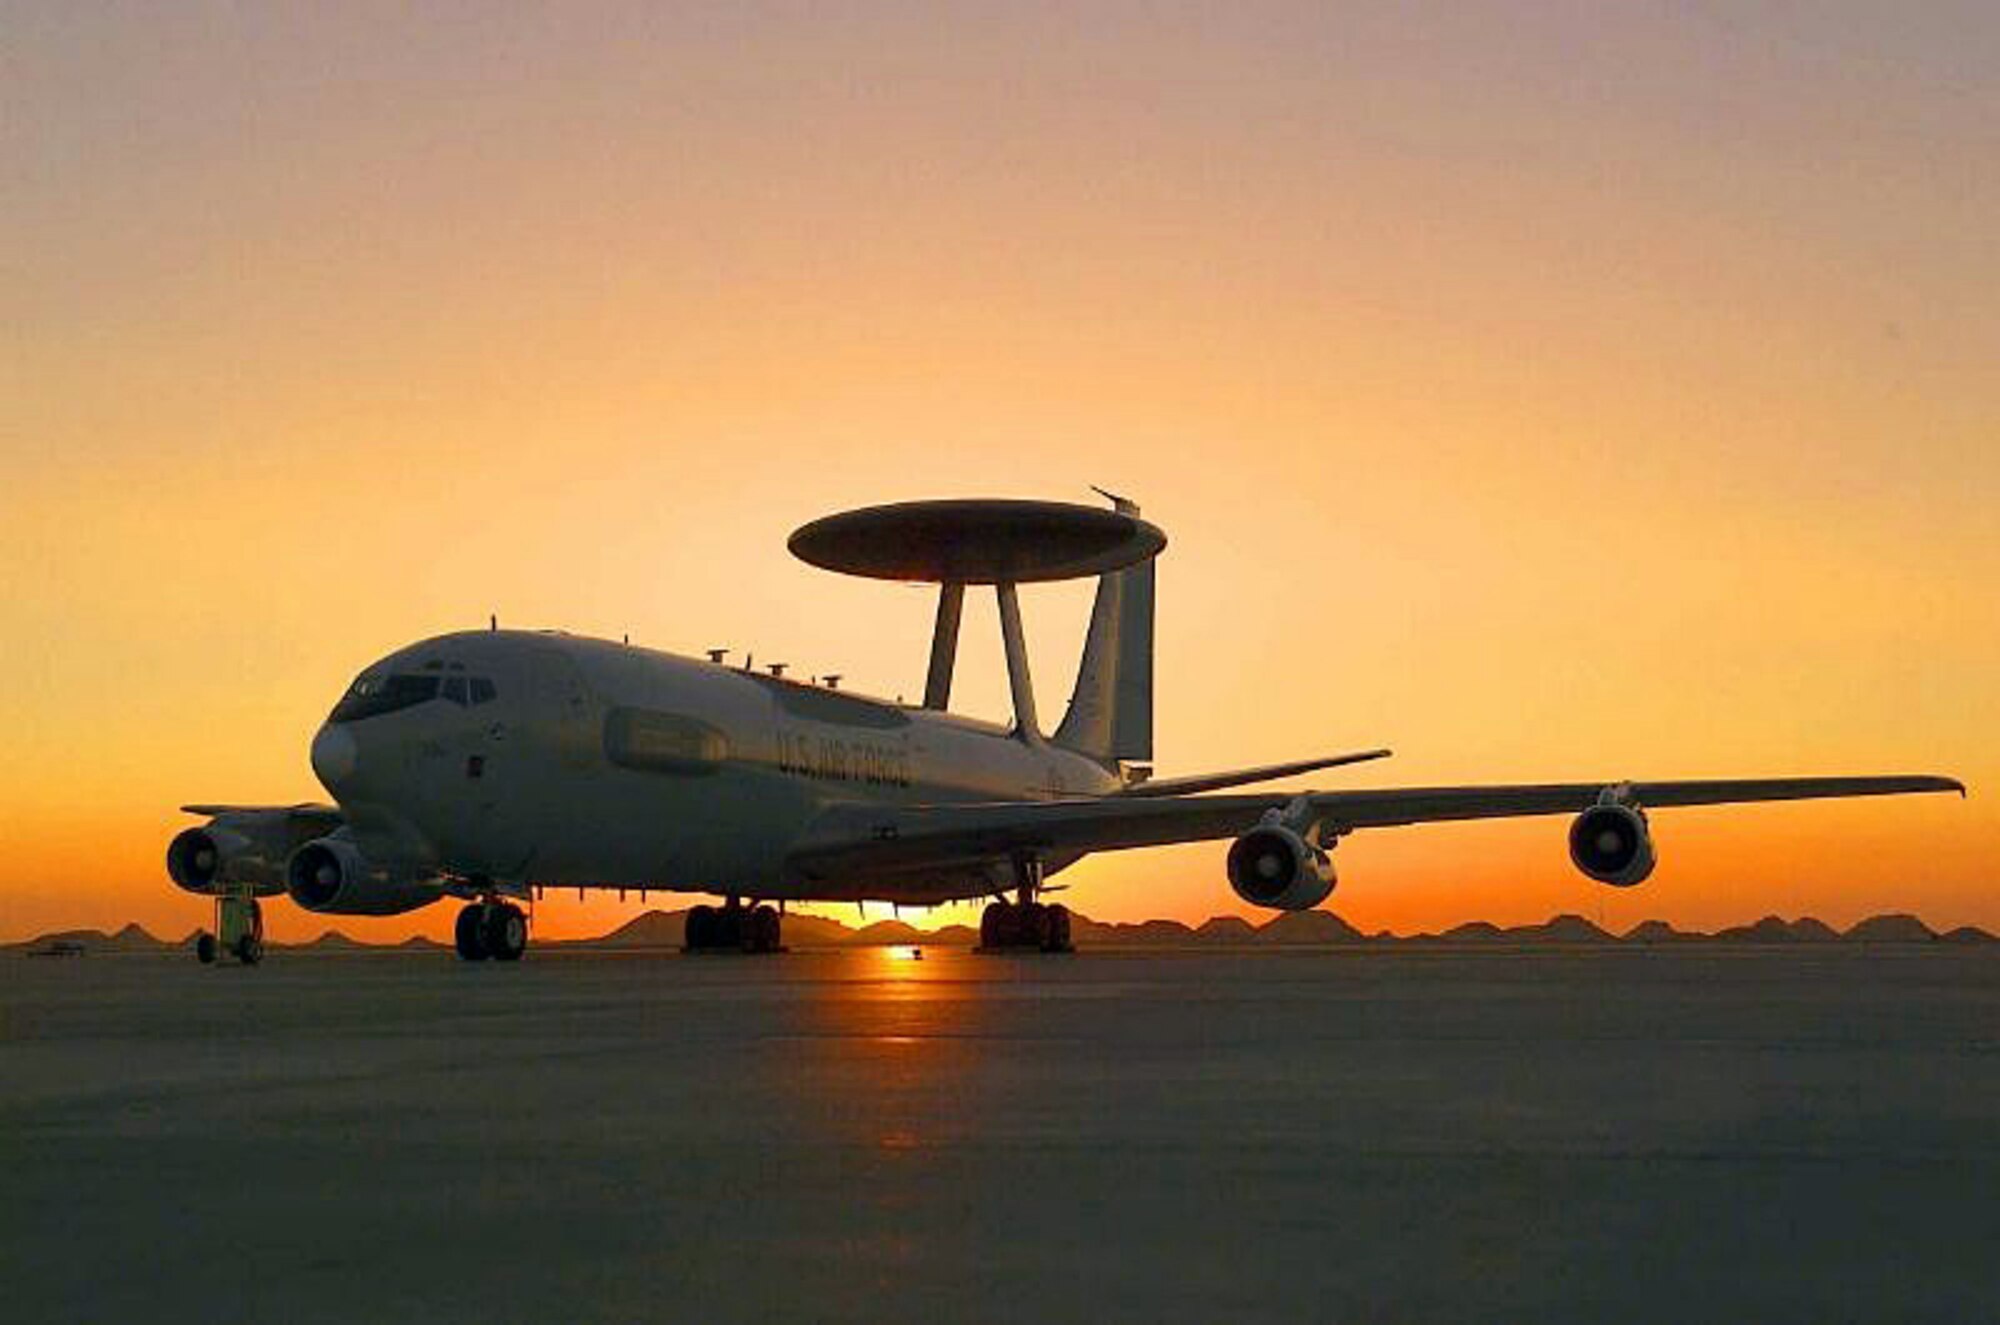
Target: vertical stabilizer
(1110, 715)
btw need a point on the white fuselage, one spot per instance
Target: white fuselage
(554, 759)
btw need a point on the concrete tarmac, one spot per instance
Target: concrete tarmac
(1677, 1134)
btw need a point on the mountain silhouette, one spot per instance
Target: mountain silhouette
(665, 929)
(1566, 928)
(1776, 929)
(1307, 927)
(1898, 928)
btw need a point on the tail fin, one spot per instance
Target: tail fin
(1110, 715)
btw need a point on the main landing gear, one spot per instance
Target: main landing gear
(492, 929)
(1025, 925)
(734, 927)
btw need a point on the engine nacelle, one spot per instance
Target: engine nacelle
(1610, 843)
(1273, 866)
(331, 876)
(233, 848)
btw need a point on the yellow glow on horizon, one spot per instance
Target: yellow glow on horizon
(1618, 406)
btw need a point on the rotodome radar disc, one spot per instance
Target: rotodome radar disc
(977, 541)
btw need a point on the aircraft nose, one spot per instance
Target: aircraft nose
(333, 756)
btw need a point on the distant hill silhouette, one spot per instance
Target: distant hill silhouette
(132, 938)
(1224, 929)
(1294, 927)
(1899, 928)
(1566, 928)
(885, 934)
(1776, 929)
(665, 929)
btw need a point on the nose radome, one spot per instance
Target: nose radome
(333, 756)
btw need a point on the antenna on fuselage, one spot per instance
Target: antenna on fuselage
(717, 655)
(776, 669)
(493, 621)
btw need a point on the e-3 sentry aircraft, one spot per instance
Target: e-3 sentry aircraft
(481, 766)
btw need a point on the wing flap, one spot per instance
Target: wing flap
(1244, 776)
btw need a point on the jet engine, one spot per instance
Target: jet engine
(231, 848)
(1271, 865)
(1609, 842)
(331, 876)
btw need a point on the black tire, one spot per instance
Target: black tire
(469, 935)
(762, 933)
(999, 926)
(700, 934)
(205, 948)
(1058, 930)
(505, 932)
(1035, 926)
(250, 949)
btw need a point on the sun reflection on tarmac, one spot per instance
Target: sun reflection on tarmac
(899, 1028)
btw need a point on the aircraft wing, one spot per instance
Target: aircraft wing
(854, 840)
(305, 812)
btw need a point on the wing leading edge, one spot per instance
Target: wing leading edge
(854, 840)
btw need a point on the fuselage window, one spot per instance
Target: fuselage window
(372, 696)
(482, 690)
(454, 689)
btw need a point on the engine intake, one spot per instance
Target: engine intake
(236, 848)
(331, 876)
(195, 858)
(1611, 844)
(1271, 865)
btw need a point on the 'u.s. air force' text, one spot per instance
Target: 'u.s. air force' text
(840, 759)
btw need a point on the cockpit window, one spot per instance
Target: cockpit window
(454, 690)
(482, 690)
(372, 696)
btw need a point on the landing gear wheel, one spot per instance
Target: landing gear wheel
(469, 934)
(999, 927)
(762, 932)
(205, 948)
(503, 931)
(1057, 936)
(701, 927)
(1033, 927)
(729, 928)
(734, 928)
(250, 949)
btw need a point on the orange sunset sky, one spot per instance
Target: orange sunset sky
(1548, 392)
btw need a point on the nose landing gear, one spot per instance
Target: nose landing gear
(491, 929)
(239, 929)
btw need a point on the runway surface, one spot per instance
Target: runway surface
(1798, 1134)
